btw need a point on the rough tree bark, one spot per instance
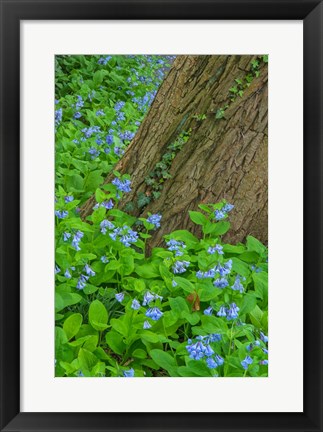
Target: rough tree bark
(223, 158)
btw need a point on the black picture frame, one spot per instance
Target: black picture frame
(12, 12)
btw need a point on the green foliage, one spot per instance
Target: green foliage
(118, 311)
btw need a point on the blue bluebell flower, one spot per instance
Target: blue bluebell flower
(104, 60)
(119, 105)
(61, 214)
(122, 185)
(263, 337)
(237, 286)
(126, 135)
(146, 325)
(265, 350)
(214, 337)
(232, 312)
(80, 103)
(68, 198)
(246, 362)
(58, 116)
(81, 283)
(104, 259)
(227, 207)
(106, 224)
(217, 248)
(208, 311)
(154, 219)
(135, 304)
(77, 115)
(66, 236)
(67, 274)
(211, 363)
(219, 215)
(57, 269)
(154, 313)
(222, 312)
(219, 359)
(174, 283)
(199, 350)
(129, 373)
(263, 362)
(180, 267)
(221, 283)
(177, 246)
(88, 270)
(76, 240)
(119, 297)
(88, 132)
(99, 113)
(94, 152)
(148, 298)
(107, 204)
(109, 139)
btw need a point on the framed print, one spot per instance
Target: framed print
(161, 207)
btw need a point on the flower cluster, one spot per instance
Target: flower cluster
(230, 313)
(122, 185)
(155, 220)
(177, 246)
(222, 270)
(76, 240)
(180, 267)
(217, 248)
(202, 349)
(221, 214)
(125, 235)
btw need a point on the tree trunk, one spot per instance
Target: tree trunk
(223, 157)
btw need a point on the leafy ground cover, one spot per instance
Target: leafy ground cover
(195, 307)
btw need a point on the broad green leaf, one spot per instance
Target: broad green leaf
(98, 315)
(184, 284)
(87, 360)
(248, 304)
(115, 342)
(261, 284)
(178, 305)
(147, 271)
(72, 325)
(255, 245)
(165, 361)
(198, 218)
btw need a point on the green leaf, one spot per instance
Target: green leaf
(240, 267)
(147, 271)
(87, 360)
(231, 249)
(261, 284)
(178, 305)
(199, 368)
(100, 195)
(165, 361)
(127, 265)
(198, 218)
(62, 300)
(115, 342)
(184, 284)
(139, 353)
(221, 228)
(255, 245)
(249, 257)
(213, 324)
(98, 315)
(119, 326)
(72, 325)
(248, 304)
